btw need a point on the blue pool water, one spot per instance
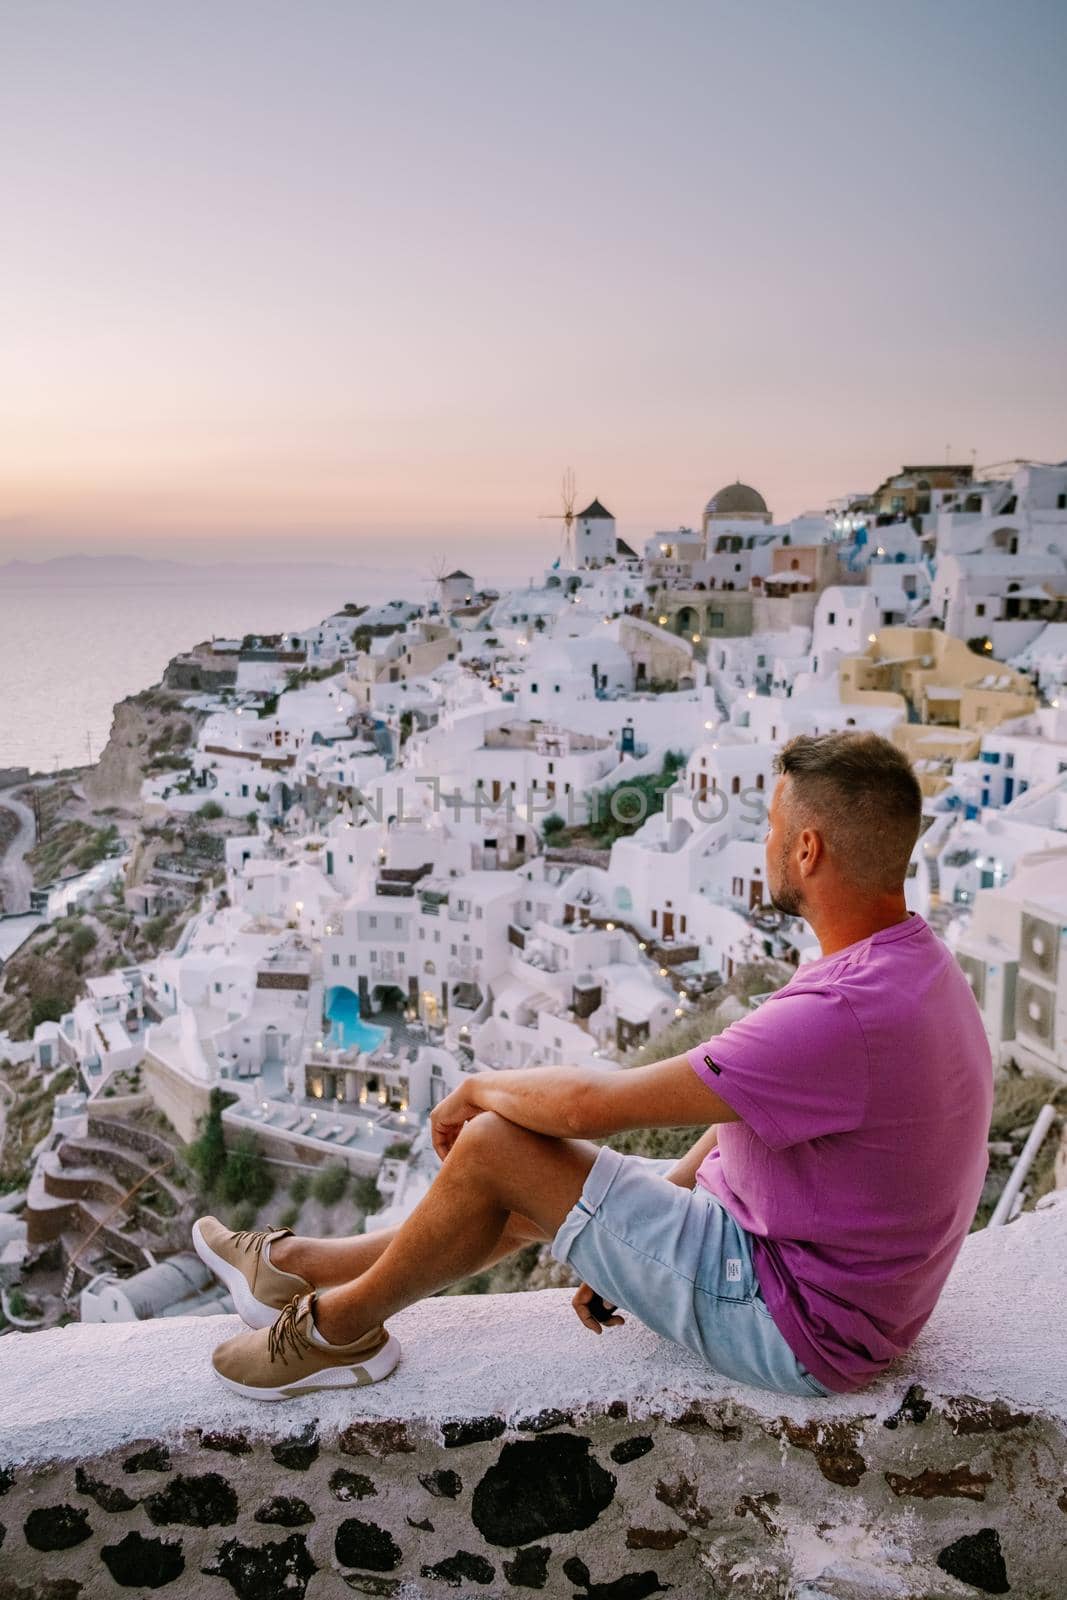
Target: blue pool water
(347, 1028)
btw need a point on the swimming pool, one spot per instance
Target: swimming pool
(348, 1030)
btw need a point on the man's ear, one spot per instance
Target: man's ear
(810, 851)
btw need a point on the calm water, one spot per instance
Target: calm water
(68, 652)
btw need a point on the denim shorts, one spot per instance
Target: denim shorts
(679, 1262)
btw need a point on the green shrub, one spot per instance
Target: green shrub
(366, 1194)
(289, 1217)
(243, 1216)
(300, 1188)
(82, 940)
(210, 811)
(553, 824)
(398, 1149)
(45, 1008)
(330, 1183)
(246, 1175)
(207, 1154)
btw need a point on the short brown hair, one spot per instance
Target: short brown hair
(862, 794)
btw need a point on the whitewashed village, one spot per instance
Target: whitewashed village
(484, 830)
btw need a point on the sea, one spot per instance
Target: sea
(75, 639)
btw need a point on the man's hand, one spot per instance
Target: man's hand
(581, 1304)
(449, 1115)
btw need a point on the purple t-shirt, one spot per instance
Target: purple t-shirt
(865, 1089)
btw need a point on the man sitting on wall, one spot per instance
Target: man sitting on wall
(801, 1244)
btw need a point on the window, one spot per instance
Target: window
(533, 690)
(716, 619)
(335, 960)
(831, 617)
(374, 922)
(979, 610)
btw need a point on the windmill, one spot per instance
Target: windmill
(566, 516)
(436, 582)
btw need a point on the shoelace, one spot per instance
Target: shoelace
(284, 1332)
(254, 1238)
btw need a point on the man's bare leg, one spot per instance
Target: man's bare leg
(326, 1262)
(494, 1168)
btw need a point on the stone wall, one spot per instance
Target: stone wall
(514, 1453)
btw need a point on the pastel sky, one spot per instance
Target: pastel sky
(329, 276)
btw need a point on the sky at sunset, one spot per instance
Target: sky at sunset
(319, 278)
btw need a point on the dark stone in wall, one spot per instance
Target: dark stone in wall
(43, 1589)
(984, 1416)
(617, 1410)
(695, 1420)
(364, 1544)
(140, 1563)
(235, 1444)
(633, 1586)
(286, 1511)
(56, 1527)
(655, 1538)
(759, 1506)
(543, 1420)
(833, 1444)
(631, 1449)
(539, 1486)
(299, 1450)
(109, 1497)
(958, 1483)
(425, 1526)
(155, 1459)
(363, 1583)
(913, 1408)
(444, 1485)
(206, 1501)
(7, 1478)
(278, 1571)
(345, 1485)
(454, 1569)
(681, 1496)
(528, 1569)
(472, 1430)
(977, 1559)
(374, 1439)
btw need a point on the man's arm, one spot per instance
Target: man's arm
(684, 1171)
(587, 1102)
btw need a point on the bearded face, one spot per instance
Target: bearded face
(783, 885)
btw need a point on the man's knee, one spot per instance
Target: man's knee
(489, 1129)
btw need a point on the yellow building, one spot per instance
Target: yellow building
(947, 695)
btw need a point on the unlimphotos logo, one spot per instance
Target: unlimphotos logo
(733, 1270)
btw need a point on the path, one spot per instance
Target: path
(16, 879)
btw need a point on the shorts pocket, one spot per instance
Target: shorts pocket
(811, 1383)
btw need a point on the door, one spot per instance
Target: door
(668, 925)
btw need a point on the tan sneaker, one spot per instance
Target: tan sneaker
(277, 1362)
(259, 1289)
